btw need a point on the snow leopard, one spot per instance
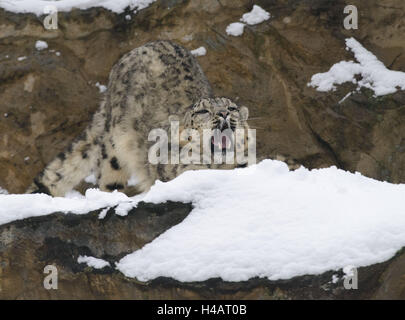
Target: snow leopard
(148, 88)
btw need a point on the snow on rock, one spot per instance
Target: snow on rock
(123, 208)
(103, 213)
(201, 51)
(38, 6)
(267, 221)
(260, 221)
(3, 191)
(335, 278)
(102, 88)
(19, 206)
(256, 16)
(374, 75)
(93, 262)
(41, 45)
(235, 29)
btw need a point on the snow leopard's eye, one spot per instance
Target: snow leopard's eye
(232, 109)
(201, 111)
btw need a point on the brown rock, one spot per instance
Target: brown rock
(27, 246)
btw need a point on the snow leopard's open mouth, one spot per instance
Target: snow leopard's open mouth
(222, 141)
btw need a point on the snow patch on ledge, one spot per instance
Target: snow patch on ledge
(375, 75)
(37, 6)
(235, 29)
(256, 16)
(93, 262)
(20, 206)
(260, 221)
(201, 51)
(41, 45)
(266, 221)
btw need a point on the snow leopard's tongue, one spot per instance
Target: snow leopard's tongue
(224, 143)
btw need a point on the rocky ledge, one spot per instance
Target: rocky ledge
(28, 246)
(48, 97)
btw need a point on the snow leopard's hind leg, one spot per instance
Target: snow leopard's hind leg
(70, 167)
(114, 173)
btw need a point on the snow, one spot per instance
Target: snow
(19, 206)
(103, 213)
(102, 88)
(123, 208)
(37, 6)
(256, 16)
(266, 221)
(3, 191)
(260, 221)
(41, 45)
(235, 29)
(201, 51)
(374, 75)
(93, 262)
(21, 58)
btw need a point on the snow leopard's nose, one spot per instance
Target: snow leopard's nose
(223, 114)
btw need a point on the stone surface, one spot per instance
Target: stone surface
(27, 246)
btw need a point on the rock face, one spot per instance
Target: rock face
(27, 246)
(48, 98)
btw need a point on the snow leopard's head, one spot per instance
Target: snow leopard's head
(223, 117)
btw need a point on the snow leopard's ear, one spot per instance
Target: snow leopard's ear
(244, 113)
(187, 116)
